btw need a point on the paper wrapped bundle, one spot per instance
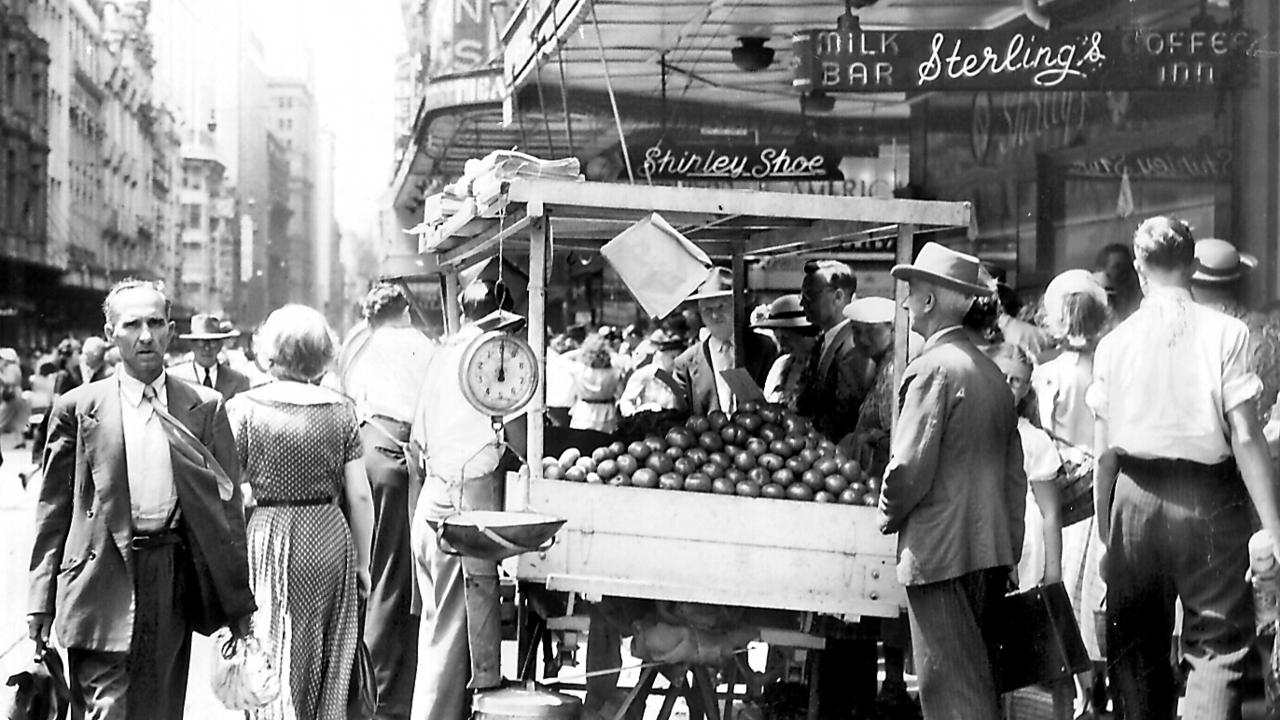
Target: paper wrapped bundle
(658, 265)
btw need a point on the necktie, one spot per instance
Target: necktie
(208, 380)
(812, 364)
(149, 401)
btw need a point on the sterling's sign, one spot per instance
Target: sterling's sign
(673, 161)
(882, 61)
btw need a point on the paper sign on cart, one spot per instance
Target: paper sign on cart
(658, 265)
(742, 385)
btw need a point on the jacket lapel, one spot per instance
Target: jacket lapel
(102, 427)
(829, 349)
(182, 403)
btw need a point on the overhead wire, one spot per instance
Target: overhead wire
(613, 98)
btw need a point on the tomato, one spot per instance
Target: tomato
(575, 474)
(859, 487)
(810, 455)
(823, 496)
(735, 475)
(617, 447)
(870, 500)
(697, 424)
(751, 406)
(710, 441)
(827, 466)
(655, 443)
(553, 472)
(797, 465)
(874, 484)
(757, 447)
(569, 457)
(712, 470)
(781, 448)
(814, 478)
(586, 463)
(697, 455)
(644, 478)
(771, 414)
(783, 477)
(627, 465)
(799, 491)
(770, 462)
(670, 481)
(660, 463)
(639, 450)
(733, 450)
(836, 484)
(684, 466)
(760, 475)
(851, 471)
(607, 469)
(716, 420)
(731, 434)
(848, 497)
(827, 447)
(744, 461)
(796, 442)
(773, 491)
(601, 454)
(722, 486)
(747, 421)
(769, 433)
(697, 482)
(722, 459)
(747, 488)
(680, 437)
(593, 478)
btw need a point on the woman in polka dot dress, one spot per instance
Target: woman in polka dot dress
(300, 453)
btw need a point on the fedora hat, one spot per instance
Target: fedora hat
(870, 310)
(946, 268)
(209, 327)
(1218, 261)
(717, 285)
(785, 312)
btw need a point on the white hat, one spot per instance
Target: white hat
(871, 310)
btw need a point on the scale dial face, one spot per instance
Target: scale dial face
(499, 373)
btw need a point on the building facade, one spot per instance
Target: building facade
(294, 123)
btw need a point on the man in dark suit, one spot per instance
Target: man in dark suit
(698, 368)
(954, 491)
(206, 336)
(139, 533)
(839, 374)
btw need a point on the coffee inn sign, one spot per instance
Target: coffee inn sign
(920, 60)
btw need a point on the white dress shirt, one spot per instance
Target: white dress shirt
(384, 377)
(146, 450)
(1166, 377)
(201, 371)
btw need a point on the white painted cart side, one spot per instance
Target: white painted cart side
(685, 546)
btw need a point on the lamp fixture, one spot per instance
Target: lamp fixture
(751, 55)
(817, 102)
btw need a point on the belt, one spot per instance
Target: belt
(298, 502)
(156, 539)
(601, 401)
(1155, 465)
(388, 418)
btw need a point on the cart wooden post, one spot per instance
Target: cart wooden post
(539, 239)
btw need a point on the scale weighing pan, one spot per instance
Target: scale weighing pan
(495, 535)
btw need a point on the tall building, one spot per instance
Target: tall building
(293, 121)
(327, 285)
(24, 147)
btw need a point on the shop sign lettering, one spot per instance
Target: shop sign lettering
(663, 161)
(972, 60)
(1165, 163)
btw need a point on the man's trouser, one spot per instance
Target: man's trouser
(1179, 529)
(150, 681)
(953, 641)
(447, 666)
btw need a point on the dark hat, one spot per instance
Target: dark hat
(209, 327)
(946, 268)
(717, 285)
(785, 312)
(666, 340)
(1218, 261)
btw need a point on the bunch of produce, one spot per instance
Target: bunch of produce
(762, 450)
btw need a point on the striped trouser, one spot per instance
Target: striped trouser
(1178, 530)
(953, 641)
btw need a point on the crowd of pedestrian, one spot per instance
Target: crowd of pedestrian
(293, 497)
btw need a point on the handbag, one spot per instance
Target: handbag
(362, 696)
(40, 690)
(1038, 639)
(1074, 481)
(243, 676)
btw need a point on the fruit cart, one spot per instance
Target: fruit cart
(699, 547)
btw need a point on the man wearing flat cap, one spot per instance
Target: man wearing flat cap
(208, 332)
(954, 491)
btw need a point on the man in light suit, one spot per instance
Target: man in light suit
(954, 491)
(206, 336)
(139, 533)
(698, 368)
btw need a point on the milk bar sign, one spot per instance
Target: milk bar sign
(882, 61)
(674, 161)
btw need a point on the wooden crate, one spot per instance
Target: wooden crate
(719, 549)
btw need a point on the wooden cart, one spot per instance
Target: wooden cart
(720, 549)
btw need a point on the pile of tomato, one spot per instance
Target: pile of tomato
(761, 450)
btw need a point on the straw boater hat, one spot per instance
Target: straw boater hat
(870, 310)
(946, 268)
(1218, 261)
(717, 285)
(785, 312)
(209, 327)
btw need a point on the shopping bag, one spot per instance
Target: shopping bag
(1074, 481)
(1038, 638)
(39, 691)
(243, 676)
